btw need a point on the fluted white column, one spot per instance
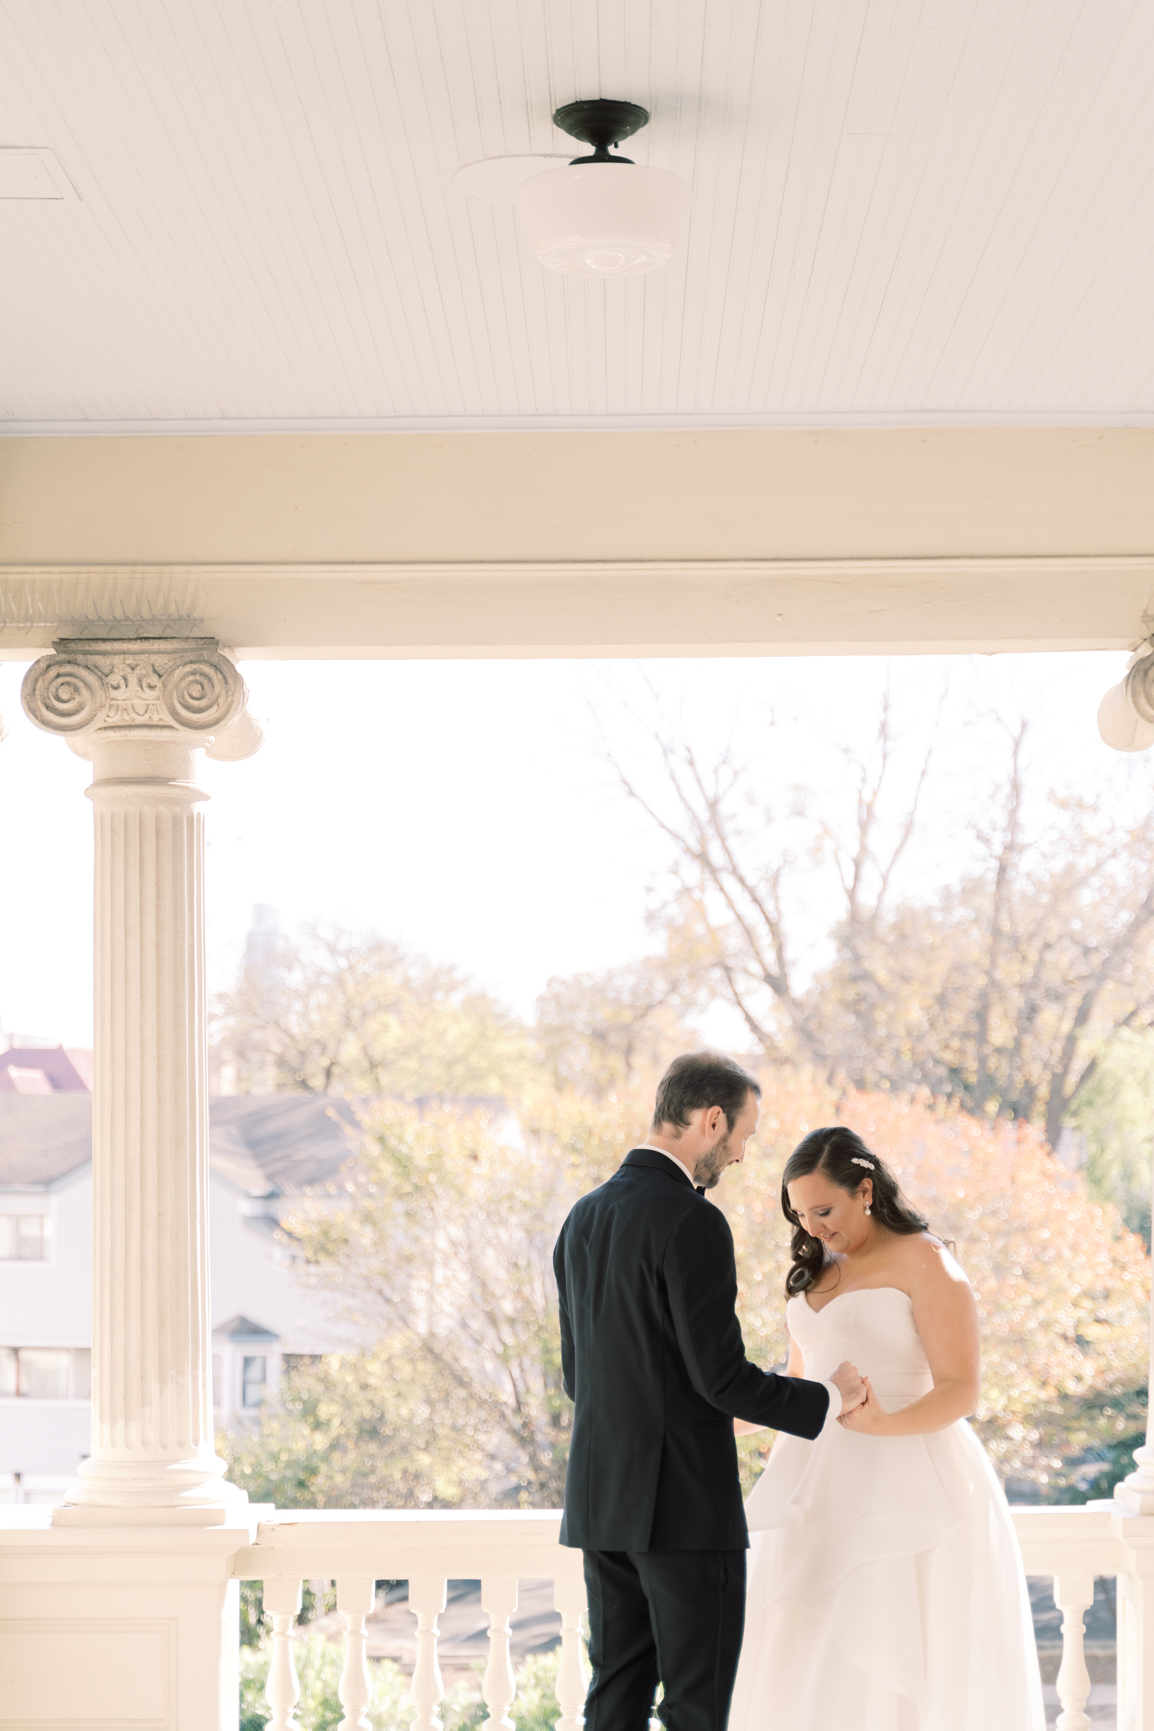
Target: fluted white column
(139, 711)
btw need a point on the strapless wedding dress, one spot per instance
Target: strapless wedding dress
(886, 1590)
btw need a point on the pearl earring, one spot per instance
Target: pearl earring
(868, 1209)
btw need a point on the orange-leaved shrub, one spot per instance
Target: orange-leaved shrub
(1062, 1286)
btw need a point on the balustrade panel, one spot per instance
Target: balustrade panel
(355, 1598)
(282, 1603)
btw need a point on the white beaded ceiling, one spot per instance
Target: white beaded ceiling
(903, 209)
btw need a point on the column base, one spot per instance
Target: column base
(119, 1628)
(1135, 1499)
(1136, 1491)
(187, 1493)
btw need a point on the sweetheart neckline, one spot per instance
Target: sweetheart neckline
(850, 1294)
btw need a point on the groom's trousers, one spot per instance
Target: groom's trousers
(674, 1617)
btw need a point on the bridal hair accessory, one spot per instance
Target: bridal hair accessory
(856, 1160)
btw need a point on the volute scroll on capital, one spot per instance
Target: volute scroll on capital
(154, 686)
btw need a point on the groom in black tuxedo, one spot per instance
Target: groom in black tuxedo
(652, 1357)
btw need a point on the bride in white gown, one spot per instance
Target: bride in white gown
(886, 1589)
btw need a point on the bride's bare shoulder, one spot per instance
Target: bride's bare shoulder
(929, 1259)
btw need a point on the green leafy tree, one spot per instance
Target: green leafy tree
(332, 1011)
(1114, 1117)
(436, 1245)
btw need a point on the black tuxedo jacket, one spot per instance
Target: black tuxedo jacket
(652, 1357)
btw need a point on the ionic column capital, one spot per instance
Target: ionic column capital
(163, 689)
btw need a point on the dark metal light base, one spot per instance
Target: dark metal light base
(601, 122)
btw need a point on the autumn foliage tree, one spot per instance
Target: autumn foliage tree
(1062, 1286)
(437, 1245)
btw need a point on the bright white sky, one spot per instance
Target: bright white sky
(466, 808)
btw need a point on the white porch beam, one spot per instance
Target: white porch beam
(524, 544)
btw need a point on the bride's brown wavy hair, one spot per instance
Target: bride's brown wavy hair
(836, 1151)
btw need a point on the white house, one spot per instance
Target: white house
(264, 1153)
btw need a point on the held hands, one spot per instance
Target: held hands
(849, 1385)
(869, 1418)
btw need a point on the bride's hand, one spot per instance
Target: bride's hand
(868, 1419)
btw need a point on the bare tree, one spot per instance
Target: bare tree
(599, 1032)
(734, 879)
(997, 987)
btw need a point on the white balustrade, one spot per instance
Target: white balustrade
(499, 1598)
(355, 1596)
(427, 1550)
(282, 1602)
(427, 1601)
(1073, 1595)
(1071, 1545)
(572, 1676)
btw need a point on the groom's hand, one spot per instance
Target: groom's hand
(849, 1385)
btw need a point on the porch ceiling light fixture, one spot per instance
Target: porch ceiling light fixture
(583, 220)
(1126, 713)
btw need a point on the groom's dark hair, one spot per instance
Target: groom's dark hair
(699, 1079)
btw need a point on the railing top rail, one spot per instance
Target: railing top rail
(400, 1543)
(527, 1518)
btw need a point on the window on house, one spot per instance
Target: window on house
(45, 1372)
(253, 1378)
(217, 1381)
(25, 1237)
(81, 1373)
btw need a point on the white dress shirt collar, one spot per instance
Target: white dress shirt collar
(649, 1148)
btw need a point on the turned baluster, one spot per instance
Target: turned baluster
(1073, 1595)
(427, 1600)
(355, 1599)
(282, 1601)
(499, 1599)
(572, 1681)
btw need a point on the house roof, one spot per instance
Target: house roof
(264, 1144)
(44, 1138)
(45, 1070)
(242, 1328)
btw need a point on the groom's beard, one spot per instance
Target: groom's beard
(709, 1168)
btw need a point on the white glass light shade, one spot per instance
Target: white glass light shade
(603, 218)
(1120, 725)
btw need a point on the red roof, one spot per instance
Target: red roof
(45, 1070)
